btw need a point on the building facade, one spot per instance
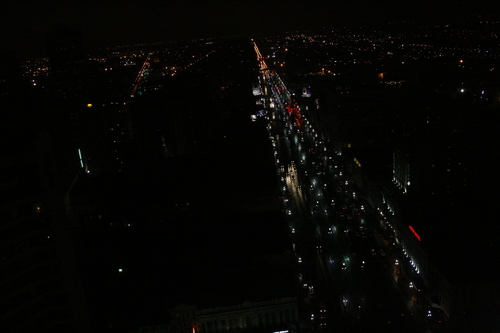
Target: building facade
(260, 316)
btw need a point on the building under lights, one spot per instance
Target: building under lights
(426, 183)
(269, 316)
(420, 212)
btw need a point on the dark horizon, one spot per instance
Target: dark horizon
(25, 26)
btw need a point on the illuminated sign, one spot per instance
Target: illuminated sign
(414, 232)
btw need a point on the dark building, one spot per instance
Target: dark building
(97, 102)
(107, 136)
(67, 85)
(168, 225)
(438, 181)
(420, 154)
(40, 282)
(270, 315)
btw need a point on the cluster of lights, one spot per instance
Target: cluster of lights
(415, 267)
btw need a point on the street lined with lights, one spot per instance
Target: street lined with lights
(345, 281)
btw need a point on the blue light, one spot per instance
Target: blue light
(81, 159)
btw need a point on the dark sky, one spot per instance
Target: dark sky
(24, 24)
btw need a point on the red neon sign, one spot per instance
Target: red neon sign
(414, 232)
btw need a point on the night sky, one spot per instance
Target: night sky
(24, 24)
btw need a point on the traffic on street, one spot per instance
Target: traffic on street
(344, 270)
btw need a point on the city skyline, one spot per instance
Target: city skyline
(25, 25)
(315, 179)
